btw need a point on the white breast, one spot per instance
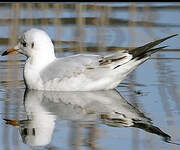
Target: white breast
(32, 77)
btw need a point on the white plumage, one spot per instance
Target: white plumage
(82, 72)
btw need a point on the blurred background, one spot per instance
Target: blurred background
(97, 28)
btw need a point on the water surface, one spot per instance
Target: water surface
(142, 113)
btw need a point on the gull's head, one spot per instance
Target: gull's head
(33, 43)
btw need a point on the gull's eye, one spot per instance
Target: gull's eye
(24, 44)
(32, 45)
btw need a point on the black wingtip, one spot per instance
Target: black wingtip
(162, 47)
(142, 50)
(174, 35)
(170, 36)
(151, 51)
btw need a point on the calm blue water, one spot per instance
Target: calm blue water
(56, 121)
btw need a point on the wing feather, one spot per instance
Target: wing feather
(69, 66)
(74, 65)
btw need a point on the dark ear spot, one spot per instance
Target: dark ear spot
(32, 45)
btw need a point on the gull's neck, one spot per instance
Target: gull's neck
(39, 62)
(33, 68)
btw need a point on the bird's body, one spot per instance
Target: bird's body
(82, 72)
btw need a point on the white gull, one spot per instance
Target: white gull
(81, 72)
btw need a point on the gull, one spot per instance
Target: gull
(80, 72)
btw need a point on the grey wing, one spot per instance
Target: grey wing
(77, 64)
(69, 66)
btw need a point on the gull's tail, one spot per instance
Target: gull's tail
(138, 56)
(146, 50)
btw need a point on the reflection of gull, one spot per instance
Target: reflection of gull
(107, 107)
(82, 72)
